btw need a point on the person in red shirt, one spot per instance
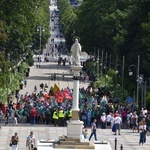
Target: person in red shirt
(32, 115)
(116, 114)
(123, 115)
(3, 108)
(18, 105)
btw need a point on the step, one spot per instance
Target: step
(10, 120)
(72, 139)
(75, 146)
(73, 143)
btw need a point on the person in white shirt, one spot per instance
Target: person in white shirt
(30, 142)
(142, 130)
(129, 115)
(108, 120)
(118, 122)
(112, 123)
(103, 121)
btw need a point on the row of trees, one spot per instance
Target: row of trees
(67, 18)
(118, 28)
(19, 21)
(121, 28)
(18, 26)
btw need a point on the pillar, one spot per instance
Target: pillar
(74, 127)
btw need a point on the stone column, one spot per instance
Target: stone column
(74, 127)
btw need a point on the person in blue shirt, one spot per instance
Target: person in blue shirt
(25, 83)
(93, 130)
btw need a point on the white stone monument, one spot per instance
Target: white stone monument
(74, 127)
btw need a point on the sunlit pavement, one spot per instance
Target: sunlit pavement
(129, 140)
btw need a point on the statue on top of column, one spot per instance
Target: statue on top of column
(75, 52)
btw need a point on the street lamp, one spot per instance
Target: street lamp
(105, 67)
(102, 64)
(138, 77)
(145, 88)
(122, 75)
(40, 29)
(140, 82)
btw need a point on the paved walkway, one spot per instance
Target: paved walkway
(43, 75)
(128, 139)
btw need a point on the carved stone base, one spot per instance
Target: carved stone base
(75, 115)
(74, 129)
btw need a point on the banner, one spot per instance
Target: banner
(56, 88)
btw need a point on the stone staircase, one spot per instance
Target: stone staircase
(72, 143)
(3, 120)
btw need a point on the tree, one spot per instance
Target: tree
(67, 19)
(19, 22)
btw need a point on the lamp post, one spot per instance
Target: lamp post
(138, 77)
(105, 67)
(102, 64)
(40, 29)
(98, 65)
(140, 83)
(145, 87)
(122, 75)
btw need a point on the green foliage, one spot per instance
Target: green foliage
(105, 23)
(89, 65)
(67, 19)
(4, 70)
(148, 101)
(120, 28)
(104, 81)
(18, 25)
(42, 19)
(18, 35)
(3, 36)
(30, 61)
(10, 79)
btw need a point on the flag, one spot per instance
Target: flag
(59, 96)
(60, 99)
(67, 94)
(67, 91)
(56, 88)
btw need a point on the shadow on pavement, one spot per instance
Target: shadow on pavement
(54, 67)
(47, 78)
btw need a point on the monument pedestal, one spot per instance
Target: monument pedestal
(74, 129)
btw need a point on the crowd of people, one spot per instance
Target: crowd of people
(43, 108)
